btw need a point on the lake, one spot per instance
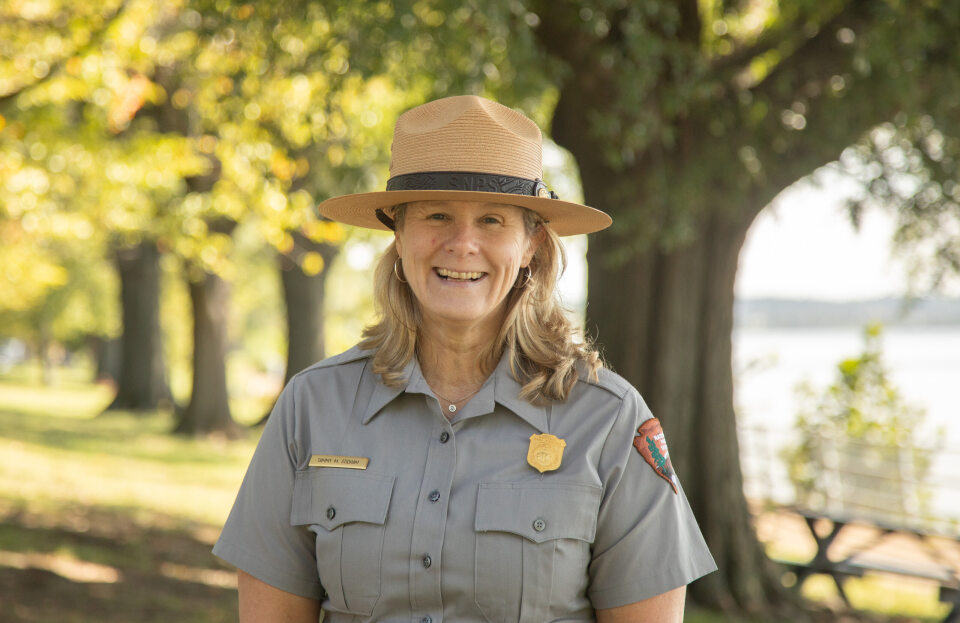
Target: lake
(923, 363)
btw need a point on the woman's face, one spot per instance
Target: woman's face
(461, 258)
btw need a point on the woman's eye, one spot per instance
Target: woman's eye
(437, 217)
(491, 220)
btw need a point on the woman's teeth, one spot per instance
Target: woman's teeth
(452, 274)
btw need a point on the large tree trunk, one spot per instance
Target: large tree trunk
(142, 382)
(303, 295)
(209, 408)
(664, 320)
(663, 317)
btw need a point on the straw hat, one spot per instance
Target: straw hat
(465, 148)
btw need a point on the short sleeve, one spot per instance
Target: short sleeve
(647, 541)
(258, 536)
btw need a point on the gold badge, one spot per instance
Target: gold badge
(343, 462)
(545, 453)
(543, 192)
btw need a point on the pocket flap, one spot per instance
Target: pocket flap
(539, 511)
(332, 497)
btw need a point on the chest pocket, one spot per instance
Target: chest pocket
(533, 548)
(346, 509)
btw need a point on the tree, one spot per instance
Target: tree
(686, 119)
(861, 449)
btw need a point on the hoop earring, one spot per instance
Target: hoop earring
(527, 278)
(396, 272)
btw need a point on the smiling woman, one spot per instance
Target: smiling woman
(470, 459)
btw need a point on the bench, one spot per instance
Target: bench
(861, 561)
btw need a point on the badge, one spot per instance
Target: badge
(652, 446)
(545, 453)
(343, 462)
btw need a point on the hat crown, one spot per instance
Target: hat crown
(466, 133)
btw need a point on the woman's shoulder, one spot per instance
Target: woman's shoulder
(349, 356)
(604, 379)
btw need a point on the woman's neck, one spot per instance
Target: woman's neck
(453, 364)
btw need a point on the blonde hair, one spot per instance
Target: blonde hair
(536, 333)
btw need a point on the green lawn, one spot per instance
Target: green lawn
(109, 518)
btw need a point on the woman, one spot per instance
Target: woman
(470, 460)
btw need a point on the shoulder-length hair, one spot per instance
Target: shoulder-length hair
(547, 353)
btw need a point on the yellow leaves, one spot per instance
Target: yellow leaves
(224, 85)
(303, 167)
(74, 66)
(336, 154)
(283, 167)
(26, 273)
(244, 12)
(428, 15)
(324, 231)
(126, 102)
(181, 99)
(312, 263)
(207, 143)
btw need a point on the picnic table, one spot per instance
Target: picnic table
(942, 565)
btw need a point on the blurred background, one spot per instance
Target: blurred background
(780, 283)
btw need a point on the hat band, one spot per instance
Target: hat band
(471, 182)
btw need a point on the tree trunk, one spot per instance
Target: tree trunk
(142, 384)
(209, 408)
(106, 355)
(303, 295)
(664, 320)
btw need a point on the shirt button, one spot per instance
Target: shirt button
(539, 525)
(427, 561)
(434, 495)
(426, 619)
(444, 437)
(331, 513)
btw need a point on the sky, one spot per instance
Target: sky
(804, 246)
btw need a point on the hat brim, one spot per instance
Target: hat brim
(564, 217)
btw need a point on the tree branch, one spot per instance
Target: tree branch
(819, 56)
(691, 26)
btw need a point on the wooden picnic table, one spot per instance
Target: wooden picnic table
(860, 560)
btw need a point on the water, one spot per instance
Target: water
(923, 363)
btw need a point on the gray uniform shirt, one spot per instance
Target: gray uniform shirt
(449, 520)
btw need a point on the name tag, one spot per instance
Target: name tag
(343, 462)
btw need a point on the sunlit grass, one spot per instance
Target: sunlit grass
(882, 593)
(56, 448)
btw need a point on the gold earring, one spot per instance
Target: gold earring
(396, 271)
(528, 276)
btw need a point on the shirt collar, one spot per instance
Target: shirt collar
(505, 390)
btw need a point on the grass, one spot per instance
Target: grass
(110, 518)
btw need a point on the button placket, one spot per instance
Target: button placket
(430, 521)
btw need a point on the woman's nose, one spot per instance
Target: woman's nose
(463, 239)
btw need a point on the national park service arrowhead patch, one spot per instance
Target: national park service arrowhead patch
(652, 446)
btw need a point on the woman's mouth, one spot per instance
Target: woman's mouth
(458, 276)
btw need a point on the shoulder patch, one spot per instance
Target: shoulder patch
(652, 446)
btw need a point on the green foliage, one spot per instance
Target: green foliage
(862, 447)
(173, 121)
